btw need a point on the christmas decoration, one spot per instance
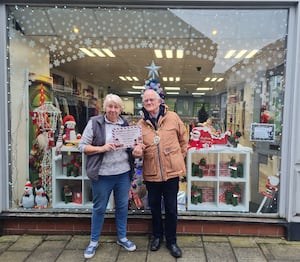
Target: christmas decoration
(41, 198)
(233, 139)
(153, 70)
(236, 168)
(196, 195)
(67, 194)
(270, 193)
(74, 166)
(45, 117)
(195, 139)
(28, 197)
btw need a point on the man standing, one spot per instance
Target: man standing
(163, 150)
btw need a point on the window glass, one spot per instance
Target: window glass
(225, 65)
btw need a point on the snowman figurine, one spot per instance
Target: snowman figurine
(41, 198)
(28, 197)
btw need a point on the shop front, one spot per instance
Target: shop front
(229, 71)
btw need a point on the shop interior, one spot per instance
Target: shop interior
(210, 63)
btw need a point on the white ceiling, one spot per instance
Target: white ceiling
(132, 35)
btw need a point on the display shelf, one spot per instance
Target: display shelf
(218, 178)
(71, 188)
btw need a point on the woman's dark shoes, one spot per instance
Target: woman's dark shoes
(174, 250)
(155, 244)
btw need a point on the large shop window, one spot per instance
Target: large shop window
(227, 66)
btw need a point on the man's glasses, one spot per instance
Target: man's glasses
(151, 100)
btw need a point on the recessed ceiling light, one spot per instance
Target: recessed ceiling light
(158, 53)
(87, 52)
(172, 88)
(241, 53)
(169, 53)
(172, 93)
(179, 53)
(198, 94)
(98, 52)
(138, 87)
(252, 53)
(204, 88)
(229, 54)
(134, 92)
(108, 52)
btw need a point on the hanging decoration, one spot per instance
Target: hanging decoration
(46, 118)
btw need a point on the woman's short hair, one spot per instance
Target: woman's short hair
(114, 99)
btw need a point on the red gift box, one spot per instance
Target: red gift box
(77, 197)
(208, 194)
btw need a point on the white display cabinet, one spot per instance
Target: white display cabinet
(68, 173)
(218, 179)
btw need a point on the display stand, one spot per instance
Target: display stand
(71, 186)
(218, 178)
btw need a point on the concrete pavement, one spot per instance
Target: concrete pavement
(68, 248)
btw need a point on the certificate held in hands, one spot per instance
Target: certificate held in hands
(127, 136)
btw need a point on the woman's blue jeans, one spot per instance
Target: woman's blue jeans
(102, 188)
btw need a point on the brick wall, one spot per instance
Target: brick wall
(80, 224)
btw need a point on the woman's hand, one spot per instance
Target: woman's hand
(108, 147)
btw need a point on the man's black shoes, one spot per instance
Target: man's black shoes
(155, 244)
(174, 250)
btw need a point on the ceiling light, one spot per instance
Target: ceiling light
(241, 53)
(214, 32)
(98, 52)
(177, 78)
(169, 53)
(179, 53)
(213, 79)
(165, 79)
(207, 79)
(123, 78)
(138, 87)
(87, 52)
(171, 79)
(135, 78)
(229, 54)
(75, 30)
(158, 53)
(134, 92)
(204, 88)
(252, 53)
(220, 79)
(198, 94)
(128, 78)
(172, 88)
(172, 93)
(108, 52)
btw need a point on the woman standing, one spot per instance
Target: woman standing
(109, 169)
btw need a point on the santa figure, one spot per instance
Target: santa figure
(69, 124)
(195, 139)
